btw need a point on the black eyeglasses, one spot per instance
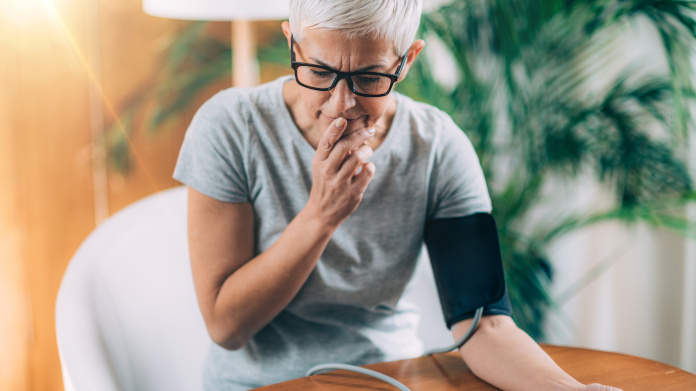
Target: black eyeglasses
(322, 78)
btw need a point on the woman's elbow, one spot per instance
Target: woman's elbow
(227, 337)
(229, 343)
(496, 323)
(490, 325)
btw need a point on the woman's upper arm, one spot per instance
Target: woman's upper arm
(221, 240)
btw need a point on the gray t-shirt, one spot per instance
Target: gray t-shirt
(243, 146)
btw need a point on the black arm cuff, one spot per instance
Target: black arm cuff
(468, 269)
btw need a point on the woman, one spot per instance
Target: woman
(301, 247)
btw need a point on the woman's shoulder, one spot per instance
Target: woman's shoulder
(418, 108)
(428, 121)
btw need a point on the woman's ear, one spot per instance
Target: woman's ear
(413, 52)
(286, 30)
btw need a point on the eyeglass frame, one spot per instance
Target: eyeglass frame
(344, 75)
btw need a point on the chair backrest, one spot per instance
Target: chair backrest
(127, 316)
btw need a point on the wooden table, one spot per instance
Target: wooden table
(444, 372)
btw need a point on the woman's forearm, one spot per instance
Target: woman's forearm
(259, 290)
(506, 357)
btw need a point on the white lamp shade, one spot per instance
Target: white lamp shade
(224, 10)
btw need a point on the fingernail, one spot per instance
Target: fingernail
(371, 131)
(340, 121)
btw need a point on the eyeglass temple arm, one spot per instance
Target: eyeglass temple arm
(292, 50)
(403, 62)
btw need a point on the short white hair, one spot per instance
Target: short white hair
(393, 20)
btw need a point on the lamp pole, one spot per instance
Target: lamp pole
(245, 70)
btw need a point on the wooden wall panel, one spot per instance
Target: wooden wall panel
(46, 167)
(14, 308)
(49, 128)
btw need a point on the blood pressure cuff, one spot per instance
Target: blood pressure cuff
(467, 265)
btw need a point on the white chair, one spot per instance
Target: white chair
(127, 316)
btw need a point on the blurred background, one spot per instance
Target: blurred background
(581, 113)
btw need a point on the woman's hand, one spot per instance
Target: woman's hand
(338, 183)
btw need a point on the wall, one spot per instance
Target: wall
(635, 304)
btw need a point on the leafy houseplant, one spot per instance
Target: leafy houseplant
(524, 90)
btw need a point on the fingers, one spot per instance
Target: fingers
(339, 172)
(355, 161)
(348, 144)
(364, 176)
(330, 138)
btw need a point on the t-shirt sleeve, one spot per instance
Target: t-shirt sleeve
(214, 153)
(457, 185)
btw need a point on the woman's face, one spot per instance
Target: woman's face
(335, 50)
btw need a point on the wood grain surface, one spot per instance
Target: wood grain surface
(444, 372)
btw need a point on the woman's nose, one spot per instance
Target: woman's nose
(342, 98)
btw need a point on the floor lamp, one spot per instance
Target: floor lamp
(241, 13)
